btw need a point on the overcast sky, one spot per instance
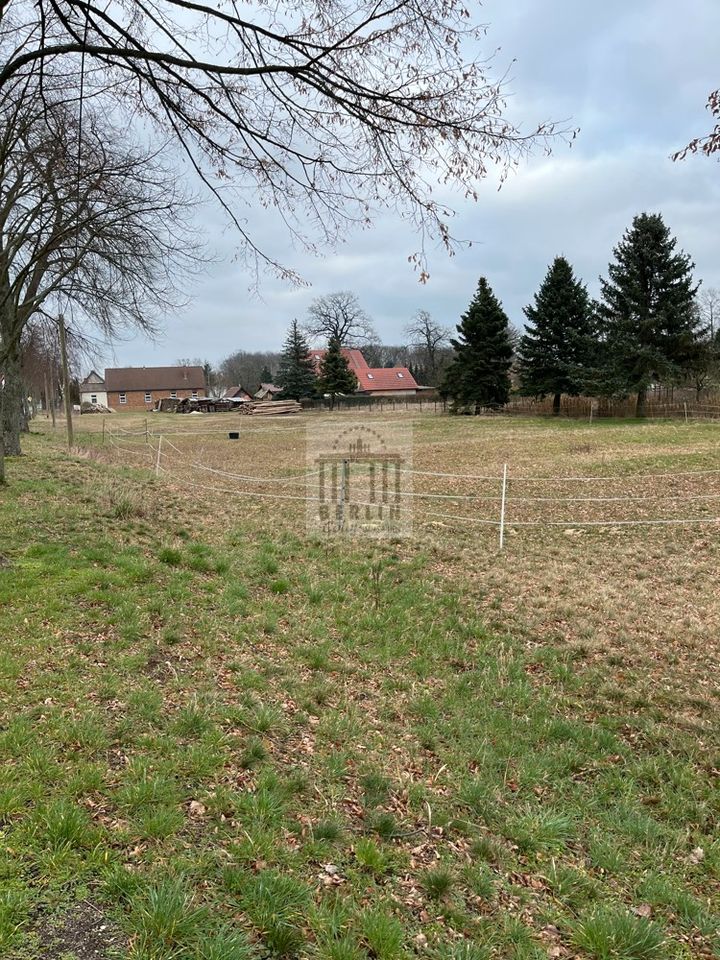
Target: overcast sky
(633, 76)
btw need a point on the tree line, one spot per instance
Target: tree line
(651, 326)
(338, 318)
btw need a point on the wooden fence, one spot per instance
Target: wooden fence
(658, 406)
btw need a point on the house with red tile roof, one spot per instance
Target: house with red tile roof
(375, 381)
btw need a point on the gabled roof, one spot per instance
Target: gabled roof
(386, 378)
(356, 361)
(238, 391)
(94, 380)
(155, 378)
(371, 378)
(266, 388)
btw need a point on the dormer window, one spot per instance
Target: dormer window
(400, 376)
(370, 376)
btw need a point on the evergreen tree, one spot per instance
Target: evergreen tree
(650, 324)
(266, 374)
(479, 373)
(336, 377)
(296, 373)
(556, 350)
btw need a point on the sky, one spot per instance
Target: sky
(634, 77)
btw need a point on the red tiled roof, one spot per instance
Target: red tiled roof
(386, 378)
(356, 361)
(372, 378)
(154, 378)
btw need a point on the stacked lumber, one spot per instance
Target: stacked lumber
(270, 407)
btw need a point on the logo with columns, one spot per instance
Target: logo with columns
(361, 479)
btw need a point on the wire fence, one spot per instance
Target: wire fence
(504, 501)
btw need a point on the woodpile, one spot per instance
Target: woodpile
(271, 407)
(198, 405)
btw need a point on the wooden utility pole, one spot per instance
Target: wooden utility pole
(66, 380)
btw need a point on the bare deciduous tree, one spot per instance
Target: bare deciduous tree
(245, 368)
(96, 231)
(339, 316)
(708, 301)
(428, 337)
(322, 111)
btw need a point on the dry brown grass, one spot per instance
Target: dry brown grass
(644, 596)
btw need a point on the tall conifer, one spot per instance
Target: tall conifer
(336, 377)
(296, 374)
(557, 348)
(650, 324)
(479, 373)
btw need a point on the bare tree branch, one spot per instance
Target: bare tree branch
(324, 112)
(339, 316)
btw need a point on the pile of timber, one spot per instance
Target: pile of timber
(271, 407)
(202, 405)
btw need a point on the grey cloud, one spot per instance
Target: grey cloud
(633, 76)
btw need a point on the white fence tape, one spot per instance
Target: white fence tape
(167, 467)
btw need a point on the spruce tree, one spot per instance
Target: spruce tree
(650, 324)
(336, 377)
(556, 350)
(296, 374)
(266, 374)
(479, 373)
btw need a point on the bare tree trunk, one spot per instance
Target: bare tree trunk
(556, 404)
(26, 409)
(12, 408)
(2, 442)
(66, 381)
(640, 405)
(51, 399)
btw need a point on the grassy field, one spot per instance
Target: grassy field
(224, 739)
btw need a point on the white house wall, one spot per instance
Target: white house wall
(100, 396)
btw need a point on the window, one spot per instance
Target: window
(93, 398)
(370, 376)
(194, 394)
(173, 394)
(148, 397)
(400, 375)
(123, 398)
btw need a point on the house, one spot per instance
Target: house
(267, 391)
(237, 393)
(93, 390)
(375, 381)
(140, 388)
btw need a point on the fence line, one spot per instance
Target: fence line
(293, 480)
(159, 460)
(531, 479)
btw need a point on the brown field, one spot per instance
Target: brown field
(644, 593)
